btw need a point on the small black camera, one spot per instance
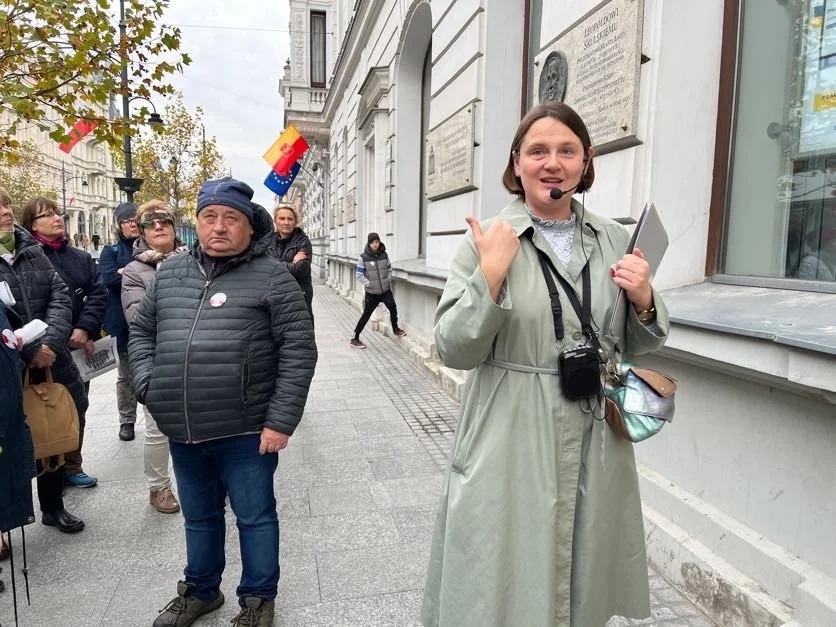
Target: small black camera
(580, 373)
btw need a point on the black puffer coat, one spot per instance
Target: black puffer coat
(88, 293)
(286, 250)
(40, 293)
(225, 355)
(17, 466)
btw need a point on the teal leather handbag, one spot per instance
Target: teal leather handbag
(639, 401)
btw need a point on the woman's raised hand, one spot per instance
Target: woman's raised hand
(497, 247)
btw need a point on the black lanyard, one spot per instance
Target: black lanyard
(583, 311)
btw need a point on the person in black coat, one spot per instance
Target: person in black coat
(112, 261)
(294, 248)
(77, 269)
(40, 293)
(17, 463)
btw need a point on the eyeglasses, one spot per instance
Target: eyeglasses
(48, 214)
(128, 222)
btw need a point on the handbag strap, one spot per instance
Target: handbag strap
(26, 375)
(582, 309)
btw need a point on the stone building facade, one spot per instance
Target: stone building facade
(723, 113)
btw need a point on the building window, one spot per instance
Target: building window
(781, 200)
(317, 49)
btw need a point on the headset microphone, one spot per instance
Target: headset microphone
(557, 194)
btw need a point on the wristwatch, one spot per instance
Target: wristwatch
(647, 316)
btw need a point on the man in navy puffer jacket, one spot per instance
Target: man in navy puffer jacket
(222, 353)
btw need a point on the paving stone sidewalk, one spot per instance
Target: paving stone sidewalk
(357, 491)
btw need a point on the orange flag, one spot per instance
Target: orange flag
(286, 150)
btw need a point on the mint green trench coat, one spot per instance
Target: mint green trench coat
(540, 521)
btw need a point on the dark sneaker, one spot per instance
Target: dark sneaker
(184, 609)
(126, 432)
(256, 612)
(355, 343)
(81, 480)
(399, 332)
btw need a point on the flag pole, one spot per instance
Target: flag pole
(305, 170)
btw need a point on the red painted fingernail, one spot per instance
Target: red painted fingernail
(612, 271)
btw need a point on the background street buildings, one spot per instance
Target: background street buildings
(84, 178)
(722, 113)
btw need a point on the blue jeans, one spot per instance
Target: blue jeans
(206, 473)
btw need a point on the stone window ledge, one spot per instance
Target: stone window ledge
(788, 336)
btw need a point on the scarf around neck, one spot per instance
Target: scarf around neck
(7, 243)
(54, 244)
(153, 257)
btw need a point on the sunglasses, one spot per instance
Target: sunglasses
(153, 220)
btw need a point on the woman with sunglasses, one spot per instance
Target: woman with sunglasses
(157, 242)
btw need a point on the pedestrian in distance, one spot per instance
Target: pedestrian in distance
(293, 248)
(43, 220)
(156, 243)
(112, 262)
(540, 521)
(374, 273)
(39, 293)
(222, 353)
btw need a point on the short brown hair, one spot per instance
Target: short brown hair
(5, 199)
(34, 208)
(562, 113)
(287, 206)
(152, 206)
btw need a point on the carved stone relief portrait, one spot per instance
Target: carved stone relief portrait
(553, 78)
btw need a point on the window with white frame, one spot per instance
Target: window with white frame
(317, 49)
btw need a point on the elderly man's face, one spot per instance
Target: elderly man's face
(7, 218)
(223, 231)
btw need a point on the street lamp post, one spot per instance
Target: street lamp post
(64, 180)
(128, 183)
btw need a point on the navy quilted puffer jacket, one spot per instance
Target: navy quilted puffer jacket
(207, 370)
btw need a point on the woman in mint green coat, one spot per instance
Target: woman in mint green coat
(540, 520)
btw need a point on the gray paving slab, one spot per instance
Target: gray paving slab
(402, 609)
(341, 498)
(382, 570)
(357, 492)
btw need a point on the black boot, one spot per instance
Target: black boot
(126, 431)
(63, 520)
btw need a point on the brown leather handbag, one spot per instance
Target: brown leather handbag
(52, 417)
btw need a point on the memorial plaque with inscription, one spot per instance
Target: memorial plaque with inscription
(449, 156)
(350, 207)
(603, 56)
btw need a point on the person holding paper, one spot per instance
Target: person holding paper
(540, 520)
(43, 219)
(40, 293)
(156, 243)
